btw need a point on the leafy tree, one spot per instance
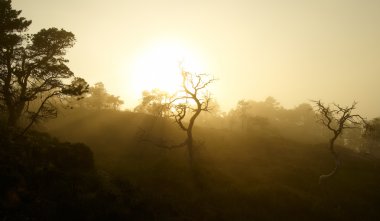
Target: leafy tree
(33, 68)
(303, 114)
(371, 135)
(258, 121)
(154, 102)
(113, 102)
(372, 129)
(336, 119)
(100, 99)
(251, 112)
(242, 110)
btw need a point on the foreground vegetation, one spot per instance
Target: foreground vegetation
(108, 172)
(44, 179)
(244, 176)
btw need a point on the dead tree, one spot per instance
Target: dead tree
(190, 102)
(336, 119)
(185, 106)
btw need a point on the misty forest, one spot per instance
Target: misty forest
(72, 150)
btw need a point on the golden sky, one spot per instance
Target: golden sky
(293, 50)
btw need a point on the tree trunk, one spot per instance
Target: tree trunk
(337, 161)
(14, 114)
(194, 167)
(190, 141)
(190, 148)
(12, 118)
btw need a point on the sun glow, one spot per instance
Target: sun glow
(159, 67)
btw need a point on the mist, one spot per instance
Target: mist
(271, 114)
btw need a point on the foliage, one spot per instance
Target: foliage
(247, 111)
(154, 102)
(269, 117)
(372, 129)
(44, 179)
(33, 68)
(99, 99)
(11, 24)
(371, 137)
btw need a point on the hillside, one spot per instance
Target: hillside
(244, 176)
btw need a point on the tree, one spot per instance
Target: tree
(242, 109)
(33, 69)
(11, 24)
(371, 135)
(188, 104)
(100, 99)
(154, 102)
(248, 112)
(336, 119)
(113, 102)
(372, 129)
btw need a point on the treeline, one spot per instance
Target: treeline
(269, 118)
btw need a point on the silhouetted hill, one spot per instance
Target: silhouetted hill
(244, 176)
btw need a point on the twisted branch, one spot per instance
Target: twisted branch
(337, 119)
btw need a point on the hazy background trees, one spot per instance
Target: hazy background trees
(97, 98)
(371, 136)
(155, 102)
(270, 118)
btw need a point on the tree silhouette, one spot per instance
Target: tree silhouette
(336, 119)
(186, 105)
(190, 102)
(33, 68)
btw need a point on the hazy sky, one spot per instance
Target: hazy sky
(293, 50)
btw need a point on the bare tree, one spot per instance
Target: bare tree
(336, 119)
(191, 101)
(185, 106)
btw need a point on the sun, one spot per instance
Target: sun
(159, 65)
